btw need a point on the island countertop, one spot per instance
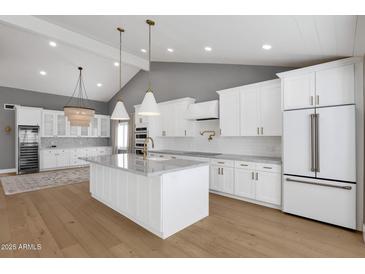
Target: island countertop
(150, 167)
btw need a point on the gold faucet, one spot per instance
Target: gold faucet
(210, 137)
(145, 150)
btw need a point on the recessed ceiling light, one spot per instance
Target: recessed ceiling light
(42, 72)
(116, 64)
(170, 50)
(266, 46)
(52, 43)
(144, 50)
(208, 49)
(99, 84)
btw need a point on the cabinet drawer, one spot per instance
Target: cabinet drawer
(219, 162)
(245, 165)
(268, 167)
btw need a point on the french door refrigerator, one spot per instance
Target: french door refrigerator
(319, 154)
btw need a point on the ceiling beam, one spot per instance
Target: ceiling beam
(46, 29)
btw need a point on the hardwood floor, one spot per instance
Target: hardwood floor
(67, 222)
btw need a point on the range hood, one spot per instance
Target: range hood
(203, 111)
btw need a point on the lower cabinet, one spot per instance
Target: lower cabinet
(64, 158)
(222, 179)
(263, 186)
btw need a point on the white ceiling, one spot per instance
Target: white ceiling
(296, 41)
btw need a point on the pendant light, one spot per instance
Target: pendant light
(76, 110)
(119, 112)
(149, 106)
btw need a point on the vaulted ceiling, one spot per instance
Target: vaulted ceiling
(92, 42)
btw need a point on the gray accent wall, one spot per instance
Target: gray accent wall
(32, 99)
(200, 81)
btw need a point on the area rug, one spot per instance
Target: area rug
(36, 181)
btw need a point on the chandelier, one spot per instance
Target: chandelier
(76, 109)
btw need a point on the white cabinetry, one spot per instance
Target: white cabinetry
(260, 109)
(61, 124)
(49, 124)
(222, 175)
(251, 110)
(322, 85)
(104, 126)
(64, 158)
(245, 183)
(229, 113)
(28, 116)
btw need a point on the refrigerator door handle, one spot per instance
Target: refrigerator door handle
(317, 141)
(313, 152)
(318, 184)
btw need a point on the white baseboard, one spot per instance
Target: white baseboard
(10, 170)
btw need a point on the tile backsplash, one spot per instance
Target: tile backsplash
(259, 146)
(69, 142)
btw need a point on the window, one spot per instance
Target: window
(123, 136)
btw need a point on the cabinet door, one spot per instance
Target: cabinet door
(299, 91)
(244, 184)
(84, 131)
(229, 113)
(249, 111)
(268, 187)
(49, 159)
(74, 131)
(335, 86)
(94, 127)
(227, 179)
(104, 127)
(139, 120)
(28, 116)
(166, 119)
(48, 124)
(215, 178)
(61, 125)
(270, 110)
(63, 159)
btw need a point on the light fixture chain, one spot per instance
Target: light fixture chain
(149, 57)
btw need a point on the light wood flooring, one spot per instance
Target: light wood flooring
(67, 222)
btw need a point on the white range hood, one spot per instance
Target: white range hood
(203, 111)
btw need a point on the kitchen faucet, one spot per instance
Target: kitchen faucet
(145, 149)
(210, 137)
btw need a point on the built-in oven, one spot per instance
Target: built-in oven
(140, 135)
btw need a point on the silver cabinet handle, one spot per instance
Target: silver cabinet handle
(318, 184)
(317, 100)
(317, 141)
(243, 165)
(262, 131)
(253, 175)
(185, 132)
(257, 176)
(312, 118)
(268, 167)
(311, 100)
(258, 131)
(220, 162)
(222, 171)
(219, 170)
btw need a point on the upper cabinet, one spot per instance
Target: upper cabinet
(104, 125)
(335, 86)
(299, 91)
(229, 112)
(328, 84)
(252, 110)
(28, 116)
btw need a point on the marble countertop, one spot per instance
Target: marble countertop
(76, 147)
(235, 157)
(150, 167)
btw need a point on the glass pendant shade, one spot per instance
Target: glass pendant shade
(119, 112)
(76, 110)
(149, 106)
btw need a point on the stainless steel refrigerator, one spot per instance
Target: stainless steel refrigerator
(319, 155)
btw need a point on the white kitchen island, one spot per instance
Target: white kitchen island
(163, 196)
